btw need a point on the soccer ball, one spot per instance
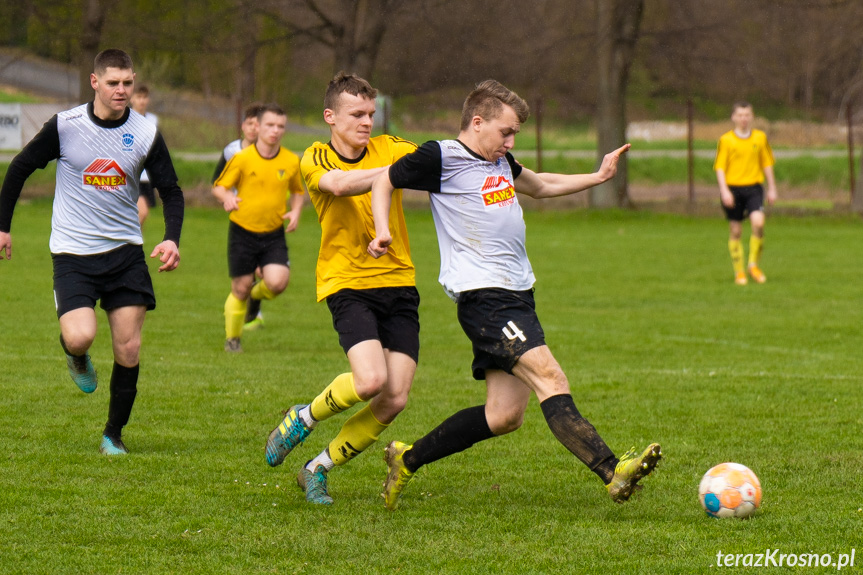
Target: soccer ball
(730, 490)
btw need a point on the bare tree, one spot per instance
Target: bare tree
(352, 30)
(93, 20)
(618, 23)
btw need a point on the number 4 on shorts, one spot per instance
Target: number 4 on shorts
(515, 333)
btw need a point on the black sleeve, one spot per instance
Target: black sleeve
(163, 177)
(219, 167)
(514, 166)
(419, 170)
(41, 150)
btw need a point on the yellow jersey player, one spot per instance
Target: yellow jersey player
(374, 302)
(744, 161)
(264, 175)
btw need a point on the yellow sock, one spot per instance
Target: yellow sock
(261, 291)
(736, 250)
(336, 398)
(358, 433)
(235, 314)
(756, 244)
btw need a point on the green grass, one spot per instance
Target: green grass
(639, 309)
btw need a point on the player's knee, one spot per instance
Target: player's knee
(370, 383)
(505, 421)
(78, 342)
(278, 287)
(126, 351)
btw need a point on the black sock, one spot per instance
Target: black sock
(124, 388)
(456, 434)
(578, 435)
(252, 308)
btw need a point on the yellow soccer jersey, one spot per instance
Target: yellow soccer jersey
(743, 159)
(347, 225)
(263, 186)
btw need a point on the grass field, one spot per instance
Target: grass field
(640, 310)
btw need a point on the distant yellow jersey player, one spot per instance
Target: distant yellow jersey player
(744, 161)
(347, 225)
(267, 178)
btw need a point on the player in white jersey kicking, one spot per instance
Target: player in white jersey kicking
(472, 183)
(101, 149)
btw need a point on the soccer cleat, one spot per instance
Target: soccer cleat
(398, 476)
(82, 372)
(756, 274)
(283, 439)
(630, 469)
(233, 345)
(314, 483)
(112, 446)
(740, 278)
(254, 324)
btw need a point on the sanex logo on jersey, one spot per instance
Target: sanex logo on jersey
(104, 174)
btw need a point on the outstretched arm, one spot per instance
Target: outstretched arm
(547, 185)
(350, 182)
(382, 195)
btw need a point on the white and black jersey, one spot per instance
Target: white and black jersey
(154, 119)
(229, 152)
(480, 224)
(99, 165)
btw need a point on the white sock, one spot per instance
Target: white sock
(322, 459)
(306, 417)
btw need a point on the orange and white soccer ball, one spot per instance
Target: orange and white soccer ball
(730, 490)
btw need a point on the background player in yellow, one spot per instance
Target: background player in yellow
(264, 174)
(374, 303)
(249, 129)
(743, 161)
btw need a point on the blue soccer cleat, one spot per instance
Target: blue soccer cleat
(315, 485)
(82, 372)
(284, 438)
(112, 446)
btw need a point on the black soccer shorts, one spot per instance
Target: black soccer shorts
(118, 278)
(502, 326)
(389, 315)
(747, 199)
(249, 250)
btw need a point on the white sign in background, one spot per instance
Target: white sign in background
(10, 126)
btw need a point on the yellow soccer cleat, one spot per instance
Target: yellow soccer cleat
(757, 275)
(740, 278)
(630, 469)
(398, 475)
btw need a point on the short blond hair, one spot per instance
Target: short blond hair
(487, 101)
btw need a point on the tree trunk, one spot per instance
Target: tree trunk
(357, 38)
(246, 72)
(618, 23)
(93, 12)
